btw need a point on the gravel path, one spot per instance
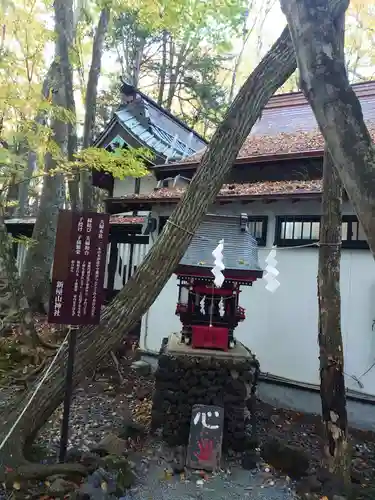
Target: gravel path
(92, 416)
(238, 485)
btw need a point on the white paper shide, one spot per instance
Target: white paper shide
(271, 272)
(219, 267)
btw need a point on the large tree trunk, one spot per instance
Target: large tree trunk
(90, 103)
(332, 379)
(65, 27)
(39, 257)
(335, 105)
(38, 262)
(145, 285)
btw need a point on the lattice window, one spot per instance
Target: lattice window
(303, 229)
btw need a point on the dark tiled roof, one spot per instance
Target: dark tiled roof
(155, 128)
(253, 190)
(288, 126)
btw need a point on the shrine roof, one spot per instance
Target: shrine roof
(241, 251)
(228, 191)
(288, 128)
(141, 122)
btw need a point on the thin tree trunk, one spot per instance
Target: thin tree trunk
(175, 74)
(137, 61)
(40, 119)
(12, 196)
(332, 379)
(14, 308)
(145, 285)
(245, 37)
(163, 69)
(335, 105)
(23, 190)
(90, 103)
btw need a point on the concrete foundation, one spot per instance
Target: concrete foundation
(186, 376)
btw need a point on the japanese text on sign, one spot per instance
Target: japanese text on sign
(205, 440)
(78, 271)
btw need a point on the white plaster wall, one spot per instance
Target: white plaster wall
(127, 185)
(281, 328)
(148, 183)
(123, 187)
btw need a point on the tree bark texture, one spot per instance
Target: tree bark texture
(336, 107)
(145, 285)
(332, 379)
(38, 263)
(65, 28)
(90, 103)
(331, 352)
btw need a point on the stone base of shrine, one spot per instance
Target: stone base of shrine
(186, 377)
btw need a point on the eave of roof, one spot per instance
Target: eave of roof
(253, 191)
(262, 158)
(113, 220)
(126, 220)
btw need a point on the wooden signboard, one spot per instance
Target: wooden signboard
(206, 437)
(78, 268)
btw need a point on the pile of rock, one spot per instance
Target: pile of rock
(185, 380)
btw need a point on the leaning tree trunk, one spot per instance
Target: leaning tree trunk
(335, 105)
(332, 379)
(145, 285)
(90, 102)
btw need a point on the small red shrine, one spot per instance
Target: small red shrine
(210, 314)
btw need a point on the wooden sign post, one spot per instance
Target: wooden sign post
(206, 437)
(77, 285)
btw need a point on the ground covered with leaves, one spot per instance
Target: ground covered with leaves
(109, 436)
